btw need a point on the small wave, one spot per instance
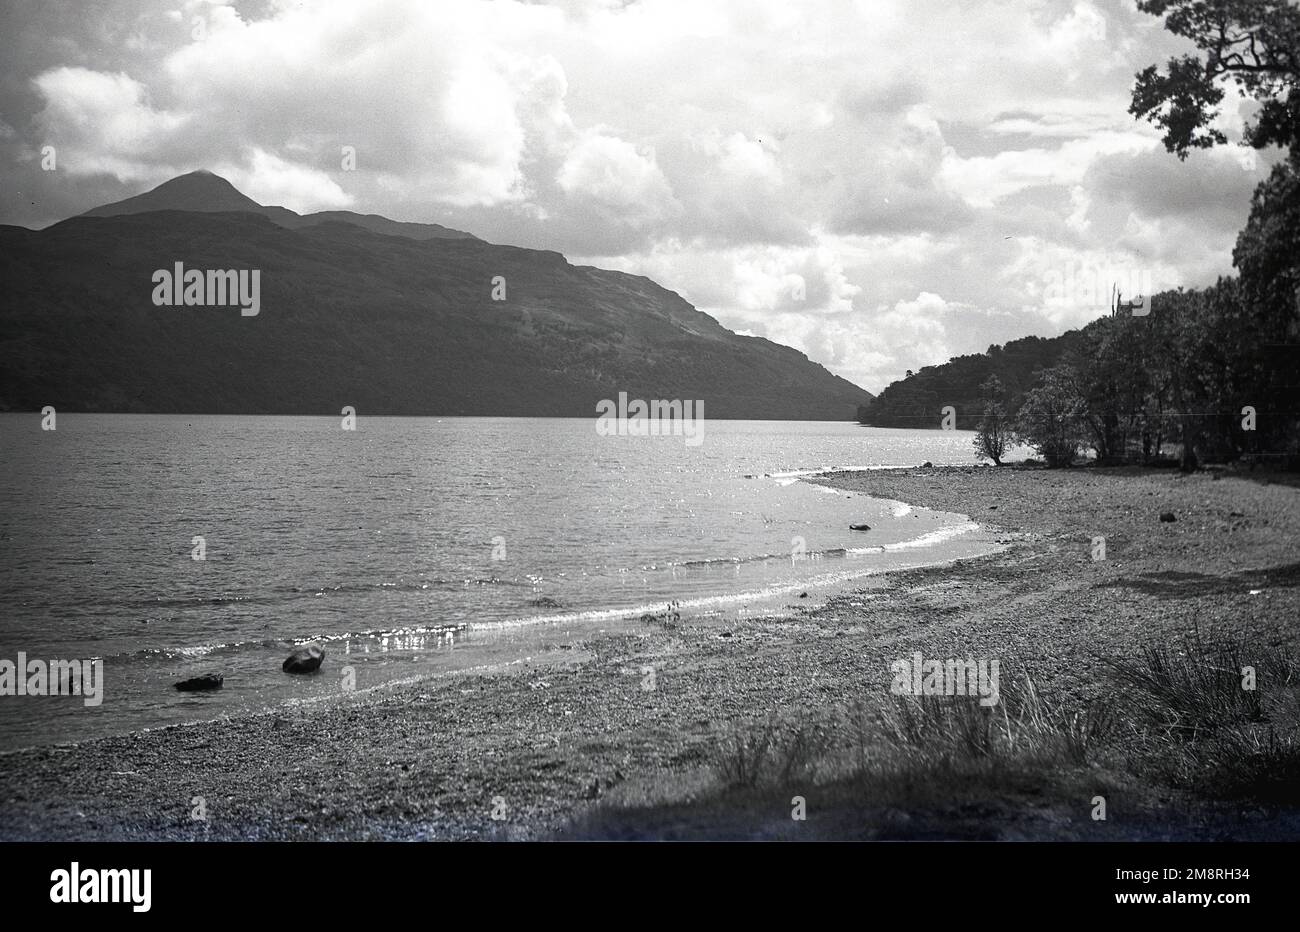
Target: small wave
(697, 604)
(729, 561)
(740, 561)
(205, 600)
(899, 509)
(804, 472)
(280, 594)
(400, 586)
(497, 581)
(196, 651)
(928, 539)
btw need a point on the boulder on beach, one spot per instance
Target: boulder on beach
(305, 659)
(927, 465)
(1168, 516)
(201, 683)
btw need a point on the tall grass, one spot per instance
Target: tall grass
(777, 754)
(1208, 731)
(922, 733)
(1171, 718)
(1199, 688)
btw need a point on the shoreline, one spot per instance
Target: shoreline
(823, 574)
(575, 728)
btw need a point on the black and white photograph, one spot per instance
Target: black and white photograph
(584, 425)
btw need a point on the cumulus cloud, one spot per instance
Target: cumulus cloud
(108, 122)
(610, 175)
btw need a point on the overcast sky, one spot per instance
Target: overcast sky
(881, 184)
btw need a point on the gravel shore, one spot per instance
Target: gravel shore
(544, 741)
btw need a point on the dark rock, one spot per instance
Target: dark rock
(305, 659)
(1168, 516)
(803, 595)
(544, 602)
(859, 527)
(927, 465)
(200, 683)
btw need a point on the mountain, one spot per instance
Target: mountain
(362, 311)
(204, 192)
(200, 190)
(919, 399)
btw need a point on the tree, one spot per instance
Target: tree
(1111, 376)
(1049, 418)
(1253, 45)
(994, 431)
(1235, 344)
(1205, 349)
(1267, 255)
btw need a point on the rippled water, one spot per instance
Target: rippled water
(406, 546)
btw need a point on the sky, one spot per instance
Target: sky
(880, 184)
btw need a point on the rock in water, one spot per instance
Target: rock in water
(927, 465)
(859, 527)
(201, 683)
(305, 659)
(1168, 516)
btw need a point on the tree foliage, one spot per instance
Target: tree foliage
(994, 433)
(1252, 46)
(1051, 417)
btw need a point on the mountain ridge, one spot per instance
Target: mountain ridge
(206, 192)
(388, 322)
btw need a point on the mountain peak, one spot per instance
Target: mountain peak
(202, 191)
(199, 190)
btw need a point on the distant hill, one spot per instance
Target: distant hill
(918, 400)
(203, 192)
(362, 311)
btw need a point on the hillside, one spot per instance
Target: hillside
(917, 401)
(390, 324)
